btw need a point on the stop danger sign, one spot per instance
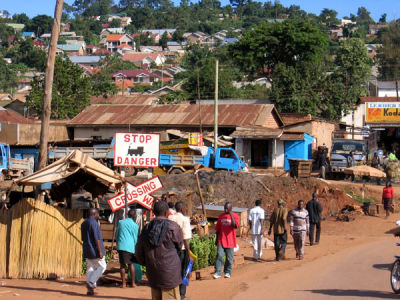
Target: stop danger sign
(136, 150)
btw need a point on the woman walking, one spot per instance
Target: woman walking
(387, 198)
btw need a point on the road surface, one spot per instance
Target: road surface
(361, 272)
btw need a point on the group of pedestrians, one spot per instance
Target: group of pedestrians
(163, 245)
(302, 222)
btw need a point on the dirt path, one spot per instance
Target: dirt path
(248, 277)
(359, 273)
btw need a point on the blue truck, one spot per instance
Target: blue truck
(13, 165)
(225, 159)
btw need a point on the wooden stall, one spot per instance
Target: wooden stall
(213, 212)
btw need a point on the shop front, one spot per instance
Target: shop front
(383, 118)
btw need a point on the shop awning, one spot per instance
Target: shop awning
(256, 132)
(69, 165)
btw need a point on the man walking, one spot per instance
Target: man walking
(157, 249)
(226, 240)
(256, 222)
(93, 250)
(184, 253)
(314, 209)
(299, 227)
(278, 220)
(127, 235)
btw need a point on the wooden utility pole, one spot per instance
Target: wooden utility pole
(48, 86)
(198, 97)
(216, 109)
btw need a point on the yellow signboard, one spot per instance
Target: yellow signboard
(382, 112)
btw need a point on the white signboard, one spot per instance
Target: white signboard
(140, 194)
(136, 150)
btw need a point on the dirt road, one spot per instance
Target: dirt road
(361, 273)
(350, 262)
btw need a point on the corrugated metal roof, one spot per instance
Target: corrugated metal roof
(8, 116)
(292, 136)
(294, 118)
(181, 115)
(259, 132)
(119, 99)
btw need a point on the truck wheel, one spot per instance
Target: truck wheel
(130, 171)
(176, 171)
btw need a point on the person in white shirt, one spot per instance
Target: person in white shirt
(184, 254)
(256, 223)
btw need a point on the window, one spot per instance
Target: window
(227, 154)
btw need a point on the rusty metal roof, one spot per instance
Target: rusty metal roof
(120, 99)
(258, 132)
(294, 118)
(8, 116)
(178, 115)
(295, 136)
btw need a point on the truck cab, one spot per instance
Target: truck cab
(227, 159)
(341, 150)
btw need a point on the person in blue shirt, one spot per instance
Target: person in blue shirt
(127, 236)
(93, 250)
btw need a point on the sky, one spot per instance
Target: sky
(343, 7)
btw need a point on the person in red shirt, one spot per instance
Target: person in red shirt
(387, 198)
(226, 240)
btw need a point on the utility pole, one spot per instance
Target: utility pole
(397, 90)
(216, 109)
(198, 98)
(48, 86)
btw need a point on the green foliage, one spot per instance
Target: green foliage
(254, 91)
(174, 97)
(205, 249)
(40, 24)
(289, 42)
(25, 53)
(8, 77)
(389, 53)
(348, 82)
(71, 91)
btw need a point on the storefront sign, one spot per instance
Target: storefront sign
(382, 112)
(139, 194)
(136, 150)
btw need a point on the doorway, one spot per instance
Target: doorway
(260, 153)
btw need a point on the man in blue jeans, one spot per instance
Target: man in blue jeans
(226, 240)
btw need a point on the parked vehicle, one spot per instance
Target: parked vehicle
(224, 159)
(341, 149)
(13, 166)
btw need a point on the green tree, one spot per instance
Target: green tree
(164, 40)
(348, 81)
(71, 91)
(289, 42)
(25, 53)
(40, 24)
(115, 23)
(329, 17)
(8, 77)
(382, 19)
(389, 53)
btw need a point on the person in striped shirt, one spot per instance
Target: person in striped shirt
(299, 228)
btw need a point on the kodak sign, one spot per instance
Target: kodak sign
(139, 194)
